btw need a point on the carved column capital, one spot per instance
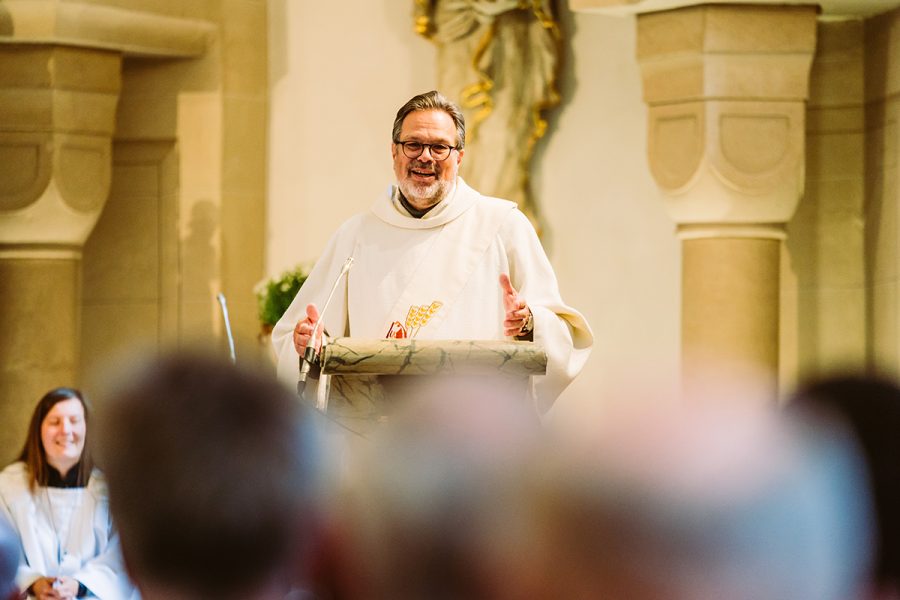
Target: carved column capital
(89, 25)
(726, 87)
(60, 78)
(57, 117)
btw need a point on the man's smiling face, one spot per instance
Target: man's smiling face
(424, 181)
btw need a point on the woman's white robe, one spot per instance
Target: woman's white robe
(453, 255)
(80, 531)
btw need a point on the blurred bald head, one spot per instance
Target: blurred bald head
(729, 501)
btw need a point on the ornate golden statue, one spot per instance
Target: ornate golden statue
(498, 59)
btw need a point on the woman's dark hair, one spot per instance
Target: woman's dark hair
(33, 454)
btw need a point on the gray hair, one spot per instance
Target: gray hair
(432, 100)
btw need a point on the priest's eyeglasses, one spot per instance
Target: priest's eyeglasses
(438, 152)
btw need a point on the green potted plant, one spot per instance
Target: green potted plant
(274, 295)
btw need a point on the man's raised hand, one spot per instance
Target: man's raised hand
(304, 328)
(517, 311)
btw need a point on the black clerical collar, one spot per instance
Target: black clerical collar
(54, 479)
(412, 210)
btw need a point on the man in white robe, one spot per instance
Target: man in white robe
(471, 264)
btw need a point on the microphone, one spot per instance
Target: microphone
(221, 298)
(307, 361)
(310, 358)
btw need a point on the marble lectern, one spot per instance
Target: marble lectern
(362, 379)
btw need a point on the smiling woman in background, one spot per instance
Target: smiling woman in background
(59, 506)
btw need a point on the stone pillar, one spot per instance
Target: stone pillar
(823, 281)
(726, 87)
(882, 202)
(729, 303)
(60, 80)
(57, 115)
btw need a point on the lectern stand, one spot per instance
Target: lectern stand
(364, 379)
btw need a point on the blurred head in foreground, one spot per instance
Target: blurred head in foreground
(213, 479)
(870, 407)
(9, 560)
(431, 508)
(701, 503)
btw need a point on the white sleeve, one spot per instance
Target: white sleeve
(11, 487)
(562, 331)
(104, 573)
(315, 290)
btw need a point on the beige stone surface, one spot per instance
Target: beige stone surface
(882, 255)
(40, 325)
(882, 48)
(244, 44)
(826, 265)
(691, 76)
(121, 258)
(882, 64)
(244, 122)
(882, 135)
(113, 332)
(217, 109)
(826, 237)
(839, 341)
(730, 305)
(610, 238)
(244, 204)
(745, 52)
(837, 78)
(55, 132)
(432, 357)
(25, 168)
(150, 91)
(364, 380)
(63, 67)
(130, 265)
(883, 341)
(834, 118)
(881, 227)
(57, 109)
(94, 25)
(837, 161)
(726, 89)
(154, 261)
(728, 161)
(737, 28)
(243, 226)
(207, 10)
(830, 9)
(789, 354)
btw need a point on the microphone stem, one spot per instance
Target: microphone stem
(310, 356)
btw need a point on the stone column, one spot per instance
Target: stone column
(57, 115)
(60, 79)
(729, 304)
(726, 87)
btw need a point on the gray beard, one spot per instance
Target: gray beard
(425, 195)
